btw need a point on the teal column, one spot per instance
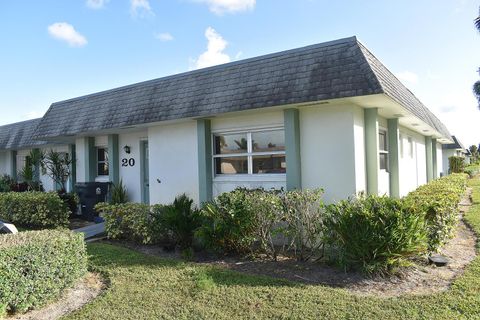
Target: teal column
(113, 159)
(429, 158)
(73, 167)
(13, 164)
(434, 159)
(371, 149)
(90, 159)
(292, 148)
(393, 157)
(36, 169)
(205, 175)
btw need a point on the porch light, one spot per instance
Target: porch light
(127, 149)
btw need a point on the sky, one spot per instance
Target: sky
(53, 50)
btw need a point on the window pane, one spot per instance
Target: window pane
(231, 165)
(102, 154)
(383, 161)
(382, 141)
(102, 169)
(268, 141)
(232, 143)
(269, 164)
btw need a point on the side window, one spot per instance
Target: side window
(383, 149)
(102, 162)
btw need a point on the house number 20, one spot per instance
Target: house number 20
(128, 162)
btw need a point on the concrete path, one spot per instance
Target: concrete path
(93, 230)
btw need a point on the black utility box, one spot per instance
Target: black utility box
(91, 193)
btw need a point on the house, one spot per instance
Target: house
(456, 149)
(16, 142)
(330, 116)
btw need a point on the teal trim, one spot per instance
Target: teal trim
(113, 159)
(292, 148)
(434, 159)
(90, 159)
(73, 167)
(13, 164)
(393, 155)
(205, 170)
(429, 158)
(144, 172)
(371, 149)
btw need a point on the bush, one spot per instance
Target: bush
(438, 201)
(374, 233)
(35, 266)
(6, 183)
(119, 194)
(71, 200)
(456, 164)
(178, 220)
(230, 222)
(129, 221)
(34, 209)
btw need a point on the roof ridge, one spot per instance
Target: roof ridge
(216, 67)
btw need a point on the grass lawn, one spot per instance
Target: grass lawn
(147, 287)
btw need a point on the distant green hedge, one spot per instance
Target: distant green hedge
(38, 210)
(35, 266)
(438, 201)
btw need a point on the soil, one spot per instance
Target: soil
(72, 299)
(76, 223)
(422, 278)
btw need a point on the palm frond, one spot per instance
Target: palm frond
(476, 91)
(477, 22)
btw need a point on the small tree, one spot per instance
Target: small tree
(57, 166)
(476, 86)
(474, 152)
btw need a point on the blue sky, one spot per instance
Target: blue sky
(54, 50)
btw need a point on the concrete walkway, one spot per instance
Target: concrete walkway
(93, 230)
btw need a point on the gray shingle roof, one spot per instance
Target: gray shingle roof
(455, 145)
(19, 135)
(337, 69)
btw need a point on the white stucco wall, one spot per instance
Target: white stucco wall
(131, 175)
(383, 175)
(328, 153)
(359, 146)
(412, 166)
(174, 161)
(80, 159)
(447, 153)
(4, 163)
(440, 169)
(252, 120)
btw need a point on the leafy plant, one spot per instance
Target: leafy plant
(119, 194)
(179, 220)
(6, 183)
(376, 234)
(456, 164)
(35, 266)
(57, 166)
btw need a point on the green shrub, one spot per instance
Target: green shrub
(375, 234)
(129, 221)
(230, 222)
(35, 266)
(34, 209)
(119, 194)
(438, 201)
(71, 200)
(304, 213)
(178, 220)
(6, 183)
(456, 164)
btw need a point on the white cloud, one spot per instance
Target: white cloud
(66, 32)
(33, 114)
(165, 36)
(238, 55)
(96, 4)
(408, 77)
(215, 50)
(140, 8)
(228, 6)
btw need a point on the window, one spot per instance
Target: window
(383, 149)
(102, 162)
(255, 152)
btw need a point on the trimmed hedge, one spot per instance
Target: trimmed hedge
(37, 210)
(130, 221)
(35, 266)
(438, 201)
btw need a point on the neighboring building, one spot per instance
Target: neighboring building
(324, 116)
(452, 149)
(16, 142)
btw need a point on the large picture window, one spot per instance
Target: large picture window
(102, 162)
(251, 152)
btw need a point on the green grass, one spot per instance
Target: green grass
(147, 287)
